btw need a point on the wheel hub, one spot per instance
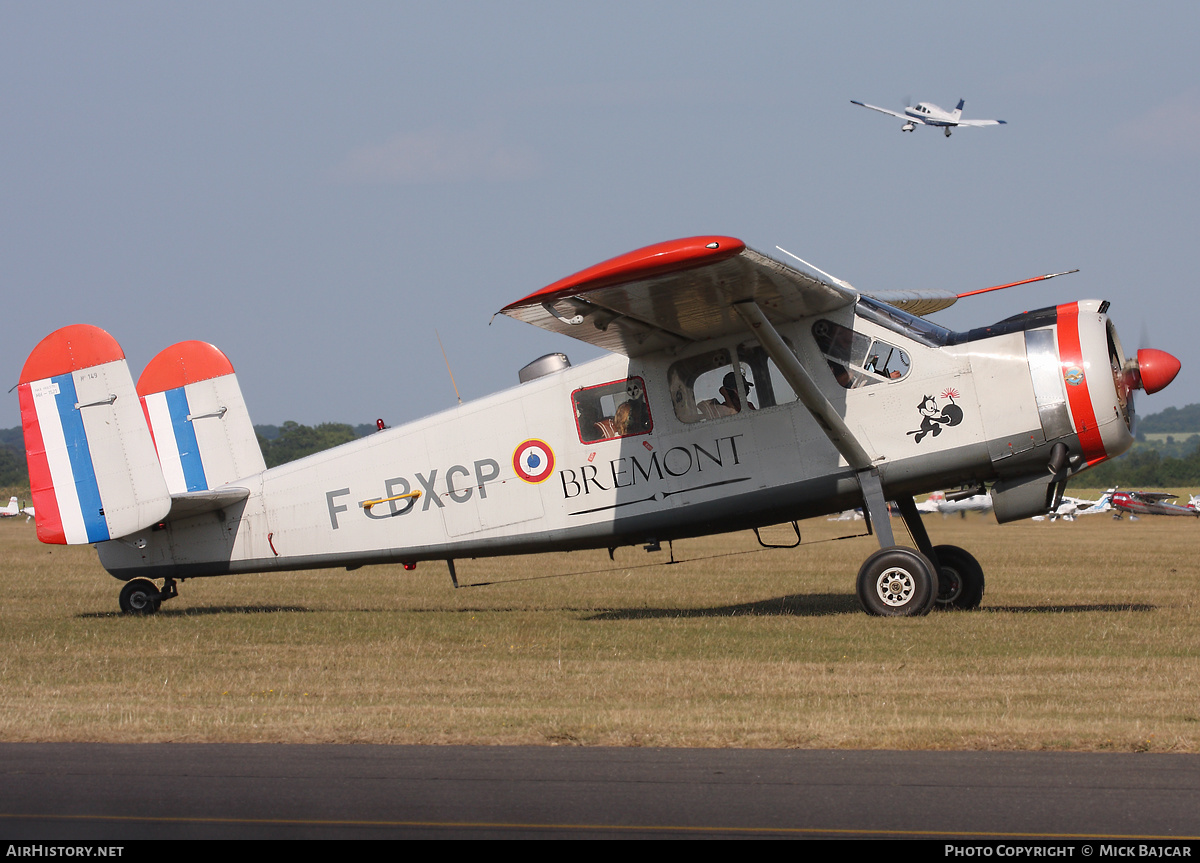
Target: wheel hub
(895, 586)
(950, 585)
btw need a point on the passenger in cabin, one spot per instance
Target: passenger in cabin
(631, 417)
(729, 392)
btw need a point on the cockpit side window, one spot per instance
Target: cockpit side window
(887, 361)
(613, 410)
(857, 360)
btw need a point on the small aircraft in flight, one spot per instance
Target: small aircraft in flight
(738, 392)
(929, 114)
(1138, 503)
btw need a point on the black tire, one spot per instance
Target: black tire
(960, 578)
(140, 596)
(897, 582)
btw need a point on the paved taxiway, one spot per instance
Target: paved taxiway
(111, 791)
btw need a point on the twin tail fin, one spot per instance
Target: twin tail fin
(108, 459)
(199, 421)
(93, 471)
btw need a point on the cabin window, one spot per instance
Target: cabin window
(613, 410)
(707, 387)
(857, 360)
(887, 361)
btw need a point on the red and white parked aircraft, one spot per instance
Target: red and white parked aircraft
(1138, 503)
(739, 392)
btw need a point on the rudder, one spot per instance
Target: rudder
(198, 418)
(93, 471)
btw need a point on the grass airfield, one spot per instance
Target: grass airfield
(1088, 640)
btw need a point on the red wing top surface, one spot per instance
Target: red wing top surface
(676, 292)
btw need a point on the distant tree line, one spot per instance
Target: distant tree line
(1144, 466)
(290, 441)
(279, 445)
(1171, 420)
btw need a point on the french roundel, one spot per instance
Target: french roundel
(533, 460)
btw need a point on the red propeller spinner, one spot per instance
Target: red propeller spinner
(1156, 369)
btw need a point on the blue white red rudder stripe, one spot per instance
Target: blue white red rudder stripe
(195, 411)
(93, 471)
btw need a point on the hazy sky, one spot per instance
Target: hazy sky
(316, 187)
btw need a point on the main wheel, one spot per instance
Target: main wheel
(140, 596)
(897, 582)
(960, 578)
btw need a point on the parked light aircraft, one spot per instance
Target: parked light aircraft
(1072, 507)
(961, 502)
(929, 114)
(739, 392)
(14, 510)
(1138, 503)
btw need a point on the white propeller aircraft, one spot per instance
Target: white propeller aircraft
(929, 114)
(958, 502)
(1073, 507)
(13, 510)
(739, 392)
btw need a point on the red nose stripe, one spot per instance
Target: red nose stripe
(1070, 352)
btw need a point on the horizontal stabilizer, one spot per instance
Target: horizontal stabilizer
(199, 421)
(93, 470)
(199, 502)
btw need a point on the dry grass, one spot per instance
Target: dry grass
(1088, 640)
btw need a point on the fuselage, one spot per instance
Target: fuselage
(931, 115)
(1133, 502)
(629, 450)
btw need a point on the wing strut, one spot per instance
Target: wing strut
(827, 417)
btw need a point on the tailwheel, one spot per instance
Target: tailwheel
(140, 596)
(960, 578)
(897, 582)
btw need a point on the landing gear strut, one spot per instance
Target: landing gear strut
(894, 581)
(959, 575)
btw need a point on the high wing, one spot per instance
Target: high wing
(1153, 496)
(920, 301)
(683, 291)
(674, 293)
(908, 117)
